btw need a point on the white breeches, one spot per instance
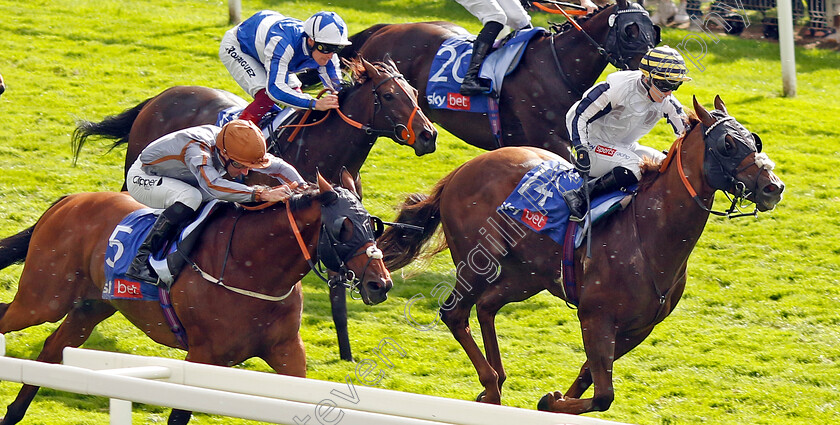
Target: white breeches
(508, 12)
(605, 156)
(160, 192)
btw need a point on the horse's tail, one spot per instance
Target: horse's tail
(401, 245)
(13, 249)
(114, 127)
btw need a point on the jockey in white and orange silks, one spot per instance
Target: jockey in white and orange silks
(606, 124)
(182, 170)
(264, 52)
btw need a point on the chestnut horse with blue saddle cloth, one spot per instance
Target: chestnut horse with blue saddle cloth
(500, 218)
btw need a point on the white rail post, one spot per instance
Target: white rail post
(786, 52)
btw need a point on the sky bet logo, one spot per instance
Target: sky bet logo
(455, 101)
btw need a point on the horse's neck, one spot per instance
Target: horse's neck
(579, 57)
(264, 240)
(333, 144)
(668, 218)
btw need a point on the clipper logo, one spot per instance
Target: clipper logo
(534, 219)
(458, 101)
(603, 150)
(241, 61)
(146, 183)
(127, 289)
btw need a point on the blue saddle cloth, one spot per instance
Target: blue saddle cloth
(450, 64)
(537, 201)
(122, 248)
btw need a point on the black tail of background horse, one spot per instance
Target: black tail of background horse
(13, 249)
(114, 127)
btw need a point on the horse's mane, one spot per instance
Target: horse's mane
(557, 29)
(303, 197)
(651, 167)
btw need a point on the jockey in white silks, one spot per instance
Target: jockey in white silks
(495, 15)
(606, 124)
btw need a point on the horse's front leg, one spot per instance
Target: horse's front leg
(486, 309)
(599, 340)
(338, 303)
(457, 319)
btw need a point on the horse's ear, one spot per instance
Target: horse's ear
(702, 113)
(358, 182)
(323, 185)
(347, 181)
(622, 4)
(387, 59)
(371, 70)
(719, 104)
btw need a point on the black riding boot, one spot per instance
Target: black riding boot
(576, 199)
(162, 231)
(483, 41)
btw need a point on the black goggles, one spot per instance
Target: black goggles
(666, 85)
(327, 48)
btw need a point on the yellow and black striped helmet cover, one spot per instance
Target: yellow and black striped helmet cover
(664, 63)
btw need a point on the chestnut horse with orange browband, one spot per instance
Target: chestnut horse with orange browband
(637, 271)
(257, 313)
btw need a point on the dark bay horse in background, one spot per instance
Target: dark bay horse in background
(380, 99)
(65, 253)
(554, 72)
(637, 271)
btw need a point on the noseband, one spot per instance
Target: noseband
(335, 253)
(721, 172)
(399, 132)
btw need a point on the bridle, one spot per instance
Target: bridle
(328, 254)
(719, 172)
(614, 53)
(399, 132)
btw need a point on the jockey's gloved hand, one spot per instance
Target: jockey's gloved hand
(581, 160)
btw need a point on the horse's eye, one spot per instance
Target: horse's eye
(727, 148)
(388, 96)
(758, 144)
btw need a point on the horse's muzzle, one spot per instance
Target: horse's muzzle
(426, 140)
(769, 194)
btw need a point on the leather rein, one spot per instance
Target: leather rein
(740, 188)
(400, 132)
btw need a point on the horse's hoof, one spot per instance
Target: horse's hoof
(481, 396)
(548, 400)
(542, 405)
